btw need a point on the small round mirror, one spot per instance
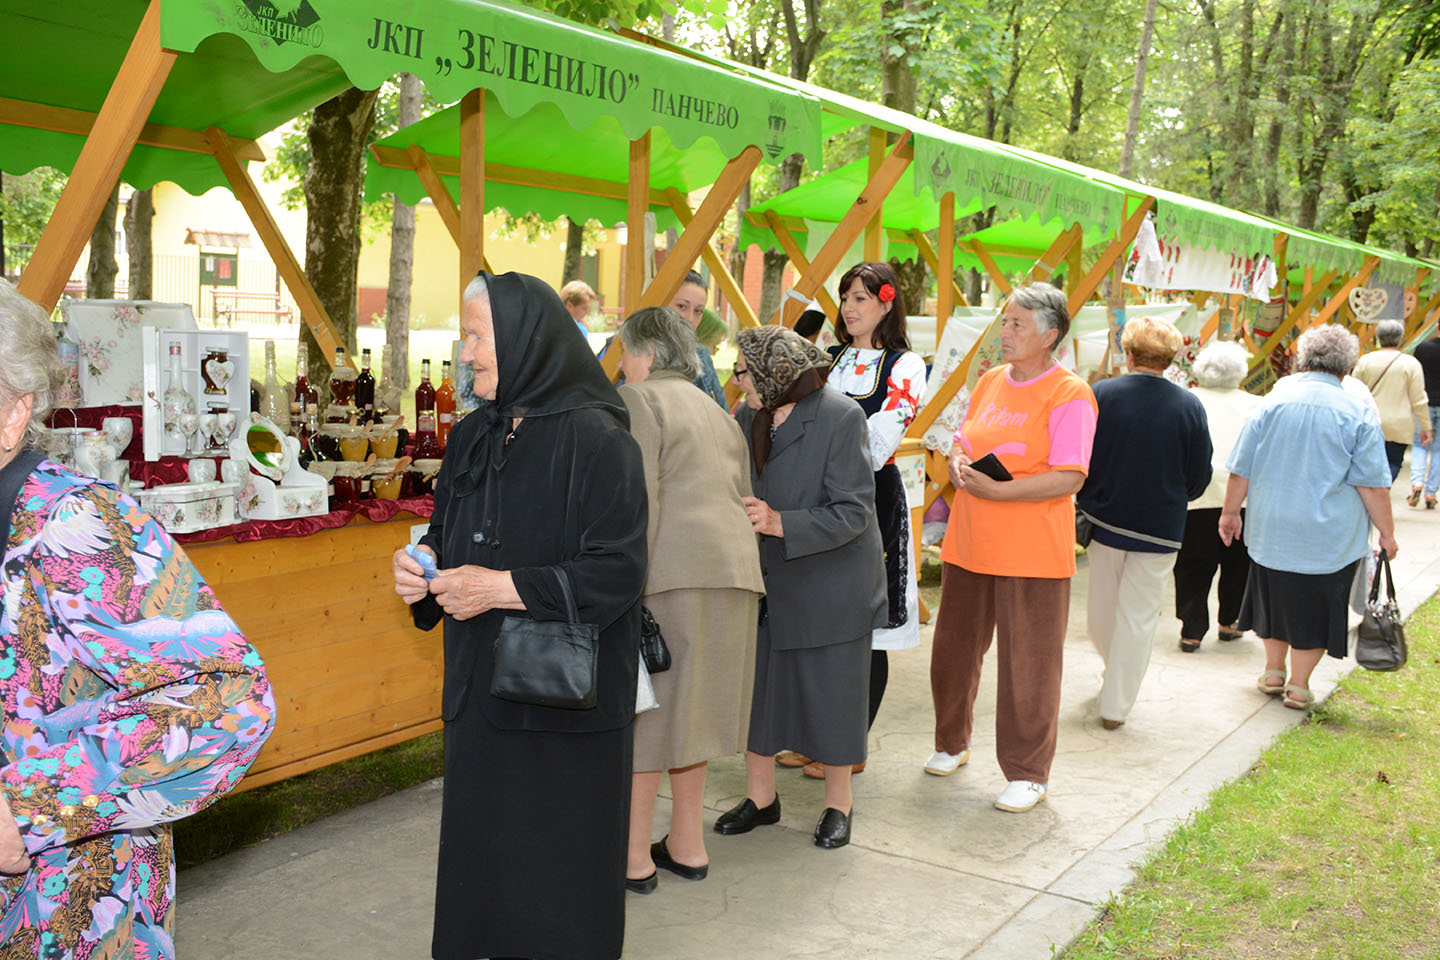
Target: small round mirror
(265, 446)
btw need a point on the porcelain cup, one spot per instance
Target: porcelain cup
(201, 471)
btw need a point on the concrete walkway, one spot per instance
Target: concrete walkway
(933, 870)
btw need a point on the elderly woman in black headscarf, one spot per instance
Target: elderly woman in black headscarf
(542, 487)
(824, 570)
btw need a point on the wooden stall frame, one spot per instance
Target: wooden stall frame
(472, 186)
(788, 243)
(948, 291)
(112, 138)
(734, 294)
(1301, 310)
(874, 228)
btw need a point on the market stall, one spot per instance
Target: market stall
(177, 90)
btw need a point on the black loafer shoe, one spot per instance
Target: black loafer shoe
(833, 830)
(661, 855)
(745, 816)
(647, 885)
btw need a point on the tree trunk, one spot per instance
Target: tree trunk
(802, 54)
(1275, 137)
(574, 251)
(1137, 93)
(102, 269)
(1241, 147)
(333, 186)
(139, 219)
(402, 255)
(897, 90)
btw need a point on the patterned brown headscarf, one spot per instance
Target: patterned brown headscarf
(785, 367)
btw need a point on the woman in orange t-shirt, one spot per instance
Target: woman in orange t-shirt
(1009, 550)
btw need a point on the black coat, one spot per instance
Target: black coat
(570, 495)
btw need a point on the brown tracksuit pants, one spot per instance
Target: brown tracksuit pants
(1029, 615)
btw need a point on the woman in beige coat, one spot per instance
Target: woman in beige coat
(703, 587)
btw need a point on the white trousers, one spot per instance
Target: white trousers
(1126, 589)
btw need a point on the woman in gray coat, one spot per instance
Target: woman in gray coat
(824, 572)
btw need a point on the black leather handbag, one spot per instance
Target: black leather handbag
(1380, 640)
(547, 663)
(652, 643)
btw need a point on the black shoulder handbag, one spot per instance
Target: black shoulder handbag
(547, 663)
(652, 643)
(1380, 640)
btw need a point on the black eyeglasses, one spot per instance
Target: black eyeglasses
(740, 373)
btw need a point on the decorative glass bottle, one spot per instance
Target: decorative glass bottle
(388, 396)
(427, 445)
(342, 379)
(365, 389)
(274, 404)
(68, 395)
(444, 405)
(177, 400)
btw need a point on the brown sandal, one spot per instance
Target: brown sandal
(1274, 689)
(1298, 697)
(790, 758)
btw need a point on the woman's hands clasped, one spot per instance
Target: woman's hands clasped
(965, 477)
(762, 518)
(462, 592)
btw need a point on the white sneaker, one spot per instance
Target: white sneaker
(942, 764)
(1020, 795)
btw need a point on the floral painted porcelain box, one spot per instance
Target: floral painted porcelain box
(192, 507)
(109, 337)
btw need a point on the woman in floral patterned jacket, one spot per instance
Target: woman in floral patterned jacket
(129, 697)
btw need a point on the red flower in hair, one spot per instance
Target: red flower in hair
(887, 293)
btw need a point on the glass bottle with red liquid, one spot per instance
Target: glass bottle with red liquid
(444, 405)
(427, 444)
(307, 399)
(365, 389)
(342, 379)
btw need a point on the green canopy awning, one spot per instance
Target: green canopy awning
(523, 56)
(541, 143)
(66, 53)
(247, 66)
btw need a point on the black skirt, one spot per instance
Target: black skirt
(1308, 611)
(533, 833)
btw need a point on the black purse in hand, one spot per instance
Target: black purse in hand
(547, 663)
(1380, 641)
(652, 644)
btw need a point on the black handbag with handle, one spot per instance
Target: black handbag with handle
(1380, 640)
(652, 643)
(547, 663)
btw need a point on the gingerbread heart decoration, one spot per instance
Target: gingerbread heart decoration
(1368, 302)
(1411, 302)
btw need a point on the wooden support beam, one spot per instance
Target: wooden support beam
(873, 229)
(997, 276)
(1416, 321)
(949, 291)
(734, 293)
(448, 166)
(286, 264)
(97, 170)
(1211, 327)
(1044, 268)
(1423, 324)
(1111, 255)
(41, 116)
(435, 189)
(1282, 245)
(791, 246)
(865, 207)
(1300, 311)
(697, 233)
(636, 205)
(1074, 266)
(949, 388)
(1342, 296)
(633, 269)
(472, 185)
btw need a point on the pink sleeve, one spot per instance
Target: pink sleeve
(1072, 433)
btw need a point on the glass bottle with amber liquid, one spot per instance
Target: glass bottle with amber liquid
(444, 405)
(427, 444)
(365, 389)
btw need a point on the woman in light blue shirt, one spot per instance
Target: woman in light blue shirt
(1311, 463)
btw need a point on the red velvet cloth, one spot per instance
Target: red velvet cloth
(376, 511)
(143, 473)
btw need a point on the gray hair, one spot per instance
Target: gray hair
(1389, 332)
(1049, 305)
(1329, 349)
(1222, 365)
(30, 360)
(660, 332)
(476, 289)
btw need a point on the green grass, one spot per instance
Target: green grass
(245, 818)
(1328, 848)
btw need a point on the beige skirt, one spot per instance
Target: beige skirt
(705, 695)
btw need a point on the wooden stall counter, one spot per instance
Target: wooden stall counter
(350, 672)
